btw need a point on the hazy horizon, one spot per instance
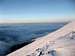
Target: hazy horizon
(23, 21)
(32, 11)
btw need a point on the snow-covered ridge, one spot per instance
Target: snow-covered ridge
(51, 44)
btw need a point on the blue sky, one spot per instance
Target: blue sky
(36, 10)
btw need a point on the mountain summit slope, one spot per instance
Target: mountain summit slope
(58, 43)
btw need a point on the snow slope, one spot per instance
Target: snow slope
(60, 42)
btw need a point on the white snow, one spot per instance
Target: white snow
(60, 43)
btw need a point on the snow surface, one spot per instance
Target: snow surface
(58, 43)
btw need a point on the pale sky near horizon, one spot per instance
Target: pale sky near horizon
(36, 10)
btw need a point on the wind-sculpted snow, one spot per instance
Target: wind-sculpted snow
(47, 51)
(14, 36)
